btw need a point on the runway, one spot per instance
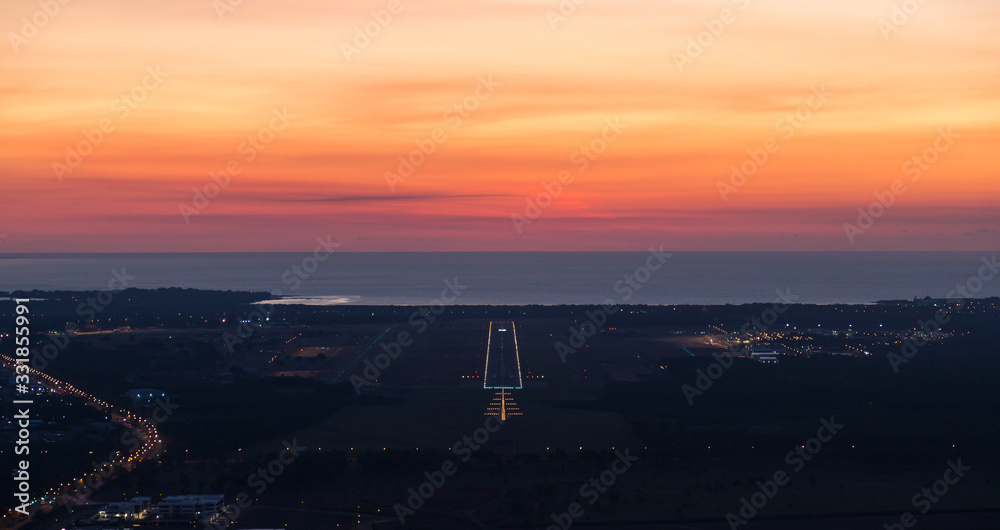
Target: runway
(503, 361)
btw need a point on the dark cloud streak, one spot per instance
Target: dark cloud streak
(371, 198)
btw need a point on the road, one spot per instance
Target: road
(70, 491)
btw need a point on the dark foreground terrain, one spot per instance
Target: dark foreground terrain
(754, 416)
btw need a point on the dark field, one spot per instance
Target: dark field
(386, 399)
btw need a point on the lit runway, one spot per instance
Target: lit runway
(503, 362)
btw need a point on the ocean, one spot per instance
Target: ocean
(519, 278)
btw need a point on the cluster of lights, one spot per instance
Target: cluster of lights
(145, 428)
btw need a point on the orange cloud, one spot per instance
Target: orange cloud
(354, 117)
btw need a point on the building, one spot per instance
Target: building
(134, 509)
(190, 507)
(765, 355)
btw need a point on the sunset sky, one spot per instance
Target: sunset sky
(531, 88)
